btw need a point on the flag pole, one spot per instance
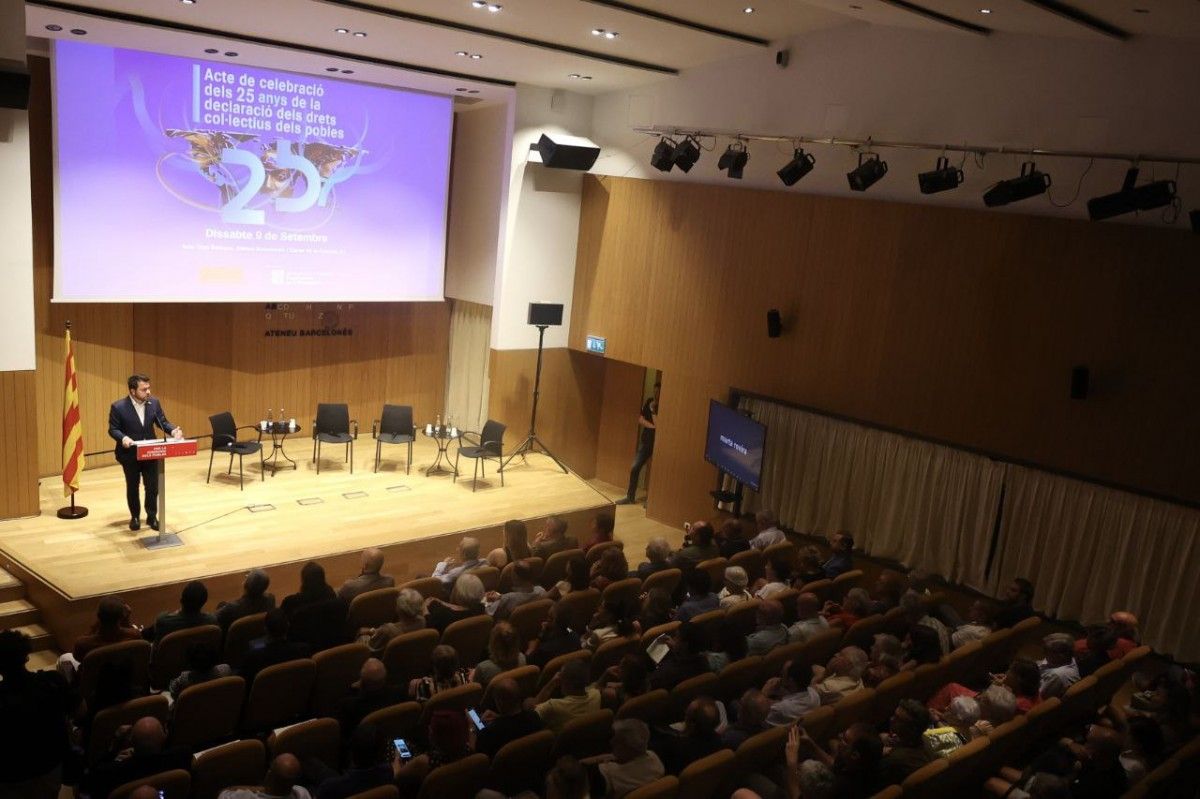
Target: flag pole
(72, 435)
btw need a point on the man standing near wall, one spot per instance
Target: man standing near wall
(647, 421)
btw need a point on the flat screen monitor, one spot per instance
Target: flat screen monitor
(735, 444)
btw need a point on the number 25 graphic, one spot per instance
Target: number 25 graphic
(236, 211)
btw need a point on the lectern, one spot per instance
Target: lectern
(159, 449)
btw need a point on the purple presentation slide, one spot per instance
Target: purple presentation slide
(179, 179)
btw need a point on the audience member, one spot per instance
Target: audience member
(656, 608)
(770, 631)
(619, 683)
(980, 623)
(272, 648)
(1145, 746)
(729, 646)
(916, 615)
(855, 762)
(466, 559)
(997, 705)
(613, 619)
(516, 541)
(577, 578)
(921, 646)
(447, 673)
(1100, 774)
(281, 782)
(1016, 605)
(842, 675)
(34, 708)
(521, 591)
(684, 660)
(145, 753)
(1123, 636)
(113, 624)
(752, 710)
(497, 559)
(203, 664)
(609, 568)
(577, 697)
(904, 752)
(957, 727)
(734, 590)
(809, 621)
(841, 559)
(567, 780)
(808, 568)
(254, 599)
(730, 540)
(778, 577)
(191, 613)
(885, 645)
(370, 693)
(793, 693)
(553, 538)
(1097, 641)
(658, 552)
(313, 589)
(509, 721)
(370, 766)
(410, 617)
(466, 600)
(768, 530)
(631, 764)
(1058, 668)
(504, 653)
(700, 598)
(855, 607)
(601, 531)
(369, 576)
(449, 741)
(885, 595)
(699, 738)
(698, 546)
(556, 638)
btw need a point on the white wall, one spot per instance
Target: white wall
(16, 216)
(478, 199)
(861, 80)
(542, 221)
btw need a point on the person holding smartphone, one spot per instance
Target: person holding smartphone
(449, 741)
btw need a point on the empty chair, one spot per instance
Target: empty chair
(611, 651)
(469, 637)
(460, 697)
(524, 676)
(133, 655)
(489, 445)
(336, 669)
(461, 778)
(1109, 679)
(556, 566)
(667, 580)
(396, 721)
(662, 788)
(279, 695)
(170, 655)
(489, 576)
(962, 664)
(579, 607)
(373, 608)
(596, 550)
(427, 587)
(394, 426)
(927, 678)
(236, 763)
(716, 570)
(555, 664)
(527, 619)
(319, 738)
(737, 676)
(332, 426)
(684, 692)
(1080, 701)
(623, 591)
(240, 634)
(175, 784)
(994, 644)
(207, 712)
(106, 722)
(649, 707)
(585, 736)
(522, 763)
(407, 655)
(225, 439)
(752, 561)
(704, 777)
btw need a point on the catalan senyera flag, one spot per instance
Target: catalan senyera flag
(72, 428)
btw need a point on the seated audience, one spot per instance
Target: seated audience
(504, 653)
(1097, 642)
(752, 711)
(609, 568)
(842, 675)
(369, 576)
(997, 705)
(809, 621)
(1058, 668)
(698, 546)
(497, 559)
(631, 764)
(808, 568)
(466, 600)
(191, 613)
(684, 660)
(203, 664)
(770, 631)
(281, 782)
(1099, 773)
(656, 608)
(730, 540)
(1145, 746)
(509, 721)
(881, 669)
(577, 578)
(658, 553)
(601, 531)
(143, 754)
(553, 538)
(855, 607)
(447, 673)
(521, 591)
(1016, 605)
(576, 698)
(778, 571)
(272, 648)
(370, 693)
(1123, 629)
(904, 750)
(920, 646)
(113, 624)
(556, 638)
(793, 694)
(855, 762)
(313, 589)
(841, 559)
(768, 530)
(885, 645)
(410, 617)
(612, 620)
(957, 727)
(1023, 678)
(449, 741)
(916, 614)
(567, 780)
(624, 681)
(254, 599)
(730, 646)
(980, 623)
(734, 590)
(700, 597)
(516, 541)
(370, 765)
(466, 559)
(885, 594)
(699, 738)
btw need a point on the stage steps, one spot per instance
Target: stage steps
(10, 587)
(18, 613)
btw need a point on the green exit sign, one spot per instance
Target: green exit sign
(597, 345)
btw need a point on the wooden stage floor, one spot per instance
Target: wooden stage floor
(293, 516)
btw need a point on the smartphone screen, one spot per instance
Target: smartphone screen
(402, 749)
(473, 714)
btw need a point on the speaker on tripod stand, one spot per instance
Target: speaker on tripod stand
(541, 315)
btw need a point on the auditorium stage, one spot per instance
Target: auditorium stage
(291, 517)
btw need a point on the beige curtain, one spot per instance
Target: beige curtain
(924, 505)
(467, 371)
(1090, 550)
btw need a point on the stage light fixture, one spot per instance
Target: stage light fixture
(1132, 198)
(867, 173)
(733, 160)
(663, 157)
(686, 154)
(1029, 183)
(942, 177)
(800, 165)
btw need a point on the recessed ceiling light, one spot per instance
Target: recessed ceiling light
(607, 34)
(55, 28)
(211, 50)
(231, 54)
(79, 31)
(748, 10)
(361, 34)
(188, 2)
(461, 89)
(476, 56)
(347, 72)
(493, 7)
(331, 69)
(472, 91)
(341, 30)
(462, 53)
(985, 11)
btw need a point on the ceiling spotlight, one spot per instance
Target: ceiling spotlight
(476, 56)
(748, 10)
(607, 34)
(1029, 183)
(331, 69)
(79, 31)
(1132, 198)
(942, 177)
(686, 154)
(663, 157)
(54, 28)
(867, 173)
(800, 165)
(577, 76)
(462, 53)
(347, 72)
(734, 159)
(495, 7)
(188, 2)
(211, 50)
(361, 34)
(231, 54)
(341, 30)
(985, 11)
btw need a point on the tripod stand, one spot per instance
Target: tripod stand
(532, 443)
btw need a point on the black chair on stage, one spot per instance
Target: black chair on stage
(394, 427)
(224, 439)
(489, 445)
(332, 426)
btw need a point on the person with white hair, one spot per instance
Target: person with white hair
(956, 728)
(816, 780)
(658, 557)
(768, 530)
(734, 591)
(843, 674)
(466, 600)
(1058, 668)
(463, 561)
(997, 705)
(410, 617)
(631, 765)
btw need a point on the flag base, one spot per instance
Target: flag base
(72, 511)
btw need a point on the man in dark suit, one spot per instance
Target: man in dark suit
(133, 419)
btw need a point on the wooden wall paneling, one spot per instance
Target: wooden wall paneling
(18, 456)
(617, 436)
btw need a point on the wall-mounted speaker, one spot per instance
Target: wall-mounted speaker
(545, 313)
(1080, 378)
(774, 323)
(566, 152)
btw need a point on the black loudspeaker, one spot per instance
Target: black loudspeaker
(561, 155)
(774, 323)
(545, 313)
(14, 84)
(1079, 382)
